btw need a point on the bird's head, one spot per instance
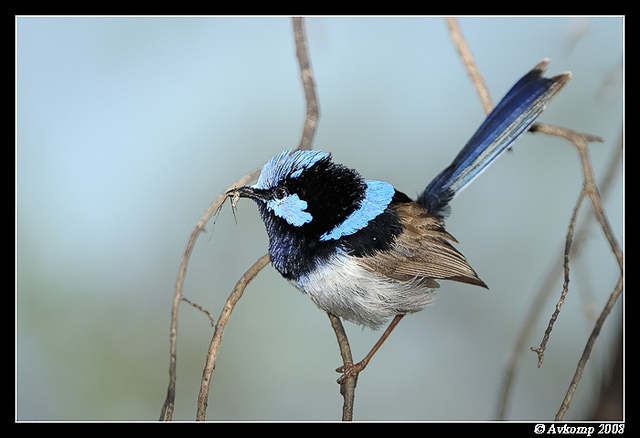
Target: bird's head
(306, 192)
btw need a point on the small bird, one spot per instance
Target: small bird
(361, 249)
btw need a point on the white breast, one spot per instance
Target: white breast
(347, 289)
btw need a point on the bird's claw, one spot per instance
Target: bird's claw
(349, 370)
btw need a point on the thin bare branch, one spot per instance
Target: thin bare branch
(212, 353)
(202, 309)
(565, 287)
(544, 292)
(586, 353)
(580, 140)
(470, 64)
(348, 387)
(306, 75)
(166, 413)
(308, 133)
(590, 189)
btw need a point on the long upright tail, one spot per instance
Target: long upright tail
(515, 113)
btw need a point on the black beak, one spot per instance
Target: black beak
(249, 192)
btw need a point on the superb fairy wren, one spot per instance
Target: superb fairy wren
(365, 251)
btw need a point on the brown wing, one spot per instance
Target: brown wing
(423, 252)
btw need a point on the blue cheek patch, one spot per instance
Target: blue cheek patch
(377, 197)
(290, 208)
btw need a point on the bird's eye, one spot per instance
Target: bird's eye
(280, 192)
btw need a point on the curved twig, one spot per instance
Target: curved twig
(166, 413)
(306, 75)
(470, 64)
(590, 190)
(308, 133)
(212, 353)
(544, 293)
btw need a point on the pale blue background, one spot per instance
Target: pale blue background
(128, 128)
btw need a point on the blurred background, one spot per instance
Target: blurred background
(129, 127)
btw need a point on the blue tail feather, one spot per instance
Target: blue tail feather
(515, 113)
